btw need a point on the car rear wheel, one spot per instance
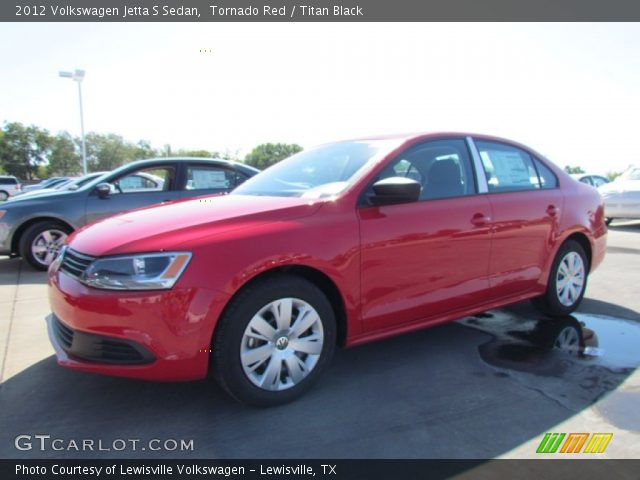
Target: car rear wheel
(41, 242)
(567, 281)
(273, 341)
(3, 196)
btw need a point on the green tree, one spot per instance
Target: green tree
(570, 169)
(106, 152)
(142, 150)
(612, 175)
(23, 149)
(192, 153)
(64, 158)
(267, 154)
(226, 155)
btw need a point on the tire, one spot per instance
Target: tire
(3, 196)
(255, 359)
(563, 297)
(40, 243)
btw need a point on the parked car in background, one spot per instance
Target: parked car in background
(35, 228)
(9, 186)
(341, 244)
(47, 183)
(70, 184)
(622, 196)
(591, 179)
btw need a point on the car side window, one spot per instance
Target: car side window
(507, 168)
(442, 167)
(586, 180)
(548, 179)
(204, 177)
(598, 181)
(155, 179)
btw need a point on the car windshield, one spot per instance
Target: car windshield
(322, 171)
(65, 184)
(86, 184)
(80, 182)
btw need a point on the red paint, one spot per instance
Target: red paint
(397, 268)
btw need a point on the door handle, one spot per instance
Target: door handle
(480, 220)
(552, 210)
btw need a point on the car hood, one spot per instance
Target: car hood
(42, 194)
(165, 227)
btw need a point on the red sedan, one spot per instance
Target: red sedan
(338, 245)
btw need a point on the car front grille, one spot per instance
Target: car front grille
(75, 263)
(99, 349)
(63, 333)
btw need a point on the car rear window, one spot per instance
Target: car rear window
(8, 181)
(508, 168)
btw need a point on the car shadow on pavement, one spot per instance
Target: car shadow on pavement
(625, 226)
(430, 394)
(14, 271)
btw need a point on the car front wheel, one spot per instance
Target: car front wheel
(567, 281)
(41, 242)
(273, 341)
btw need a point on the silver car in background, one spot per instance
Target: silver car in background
(622, 196)
(35, 227)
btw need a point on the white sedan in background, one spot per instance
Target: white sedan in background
(622, 196)
(592, 179)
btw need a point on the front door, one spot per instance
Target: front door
(421, 259)
(134, 189)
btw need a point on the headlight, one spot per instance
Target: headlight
(147, 271)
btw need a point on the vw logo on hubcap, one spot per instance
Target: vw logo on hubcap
(282, 343)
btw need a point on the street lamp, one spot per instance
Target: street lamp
(77, 76)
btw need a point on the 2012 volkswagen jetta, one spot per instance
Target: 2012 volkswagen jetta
(338, 245)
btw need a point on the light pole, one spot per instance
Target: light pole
(77, 76)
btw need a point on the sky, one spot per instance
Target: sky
(570, 91)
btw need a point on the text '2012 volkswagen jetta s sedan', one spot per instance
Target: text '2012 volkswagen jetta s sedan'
(338, 245)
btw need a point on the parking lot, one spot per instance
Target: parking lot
(483, 387)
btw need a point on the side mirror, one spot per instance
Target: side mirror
(393, 190)
(103, 190)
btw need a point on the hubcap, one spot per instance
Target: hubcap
(568, 340)
(570, 279)
(45, 247)
(282, 344)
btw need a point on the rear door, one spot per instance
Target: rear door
(134, 188)
(527, 203)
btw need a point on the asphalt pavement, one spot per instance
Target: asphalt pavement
(488, 386)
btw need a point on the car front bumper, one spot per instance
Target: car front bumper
(151, 335)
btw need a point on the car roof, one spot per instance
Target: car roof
(414, 136)
(218, 161)
(588, 174)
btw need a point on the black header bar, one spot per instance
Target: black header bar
(318, 469)
(318, 10)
